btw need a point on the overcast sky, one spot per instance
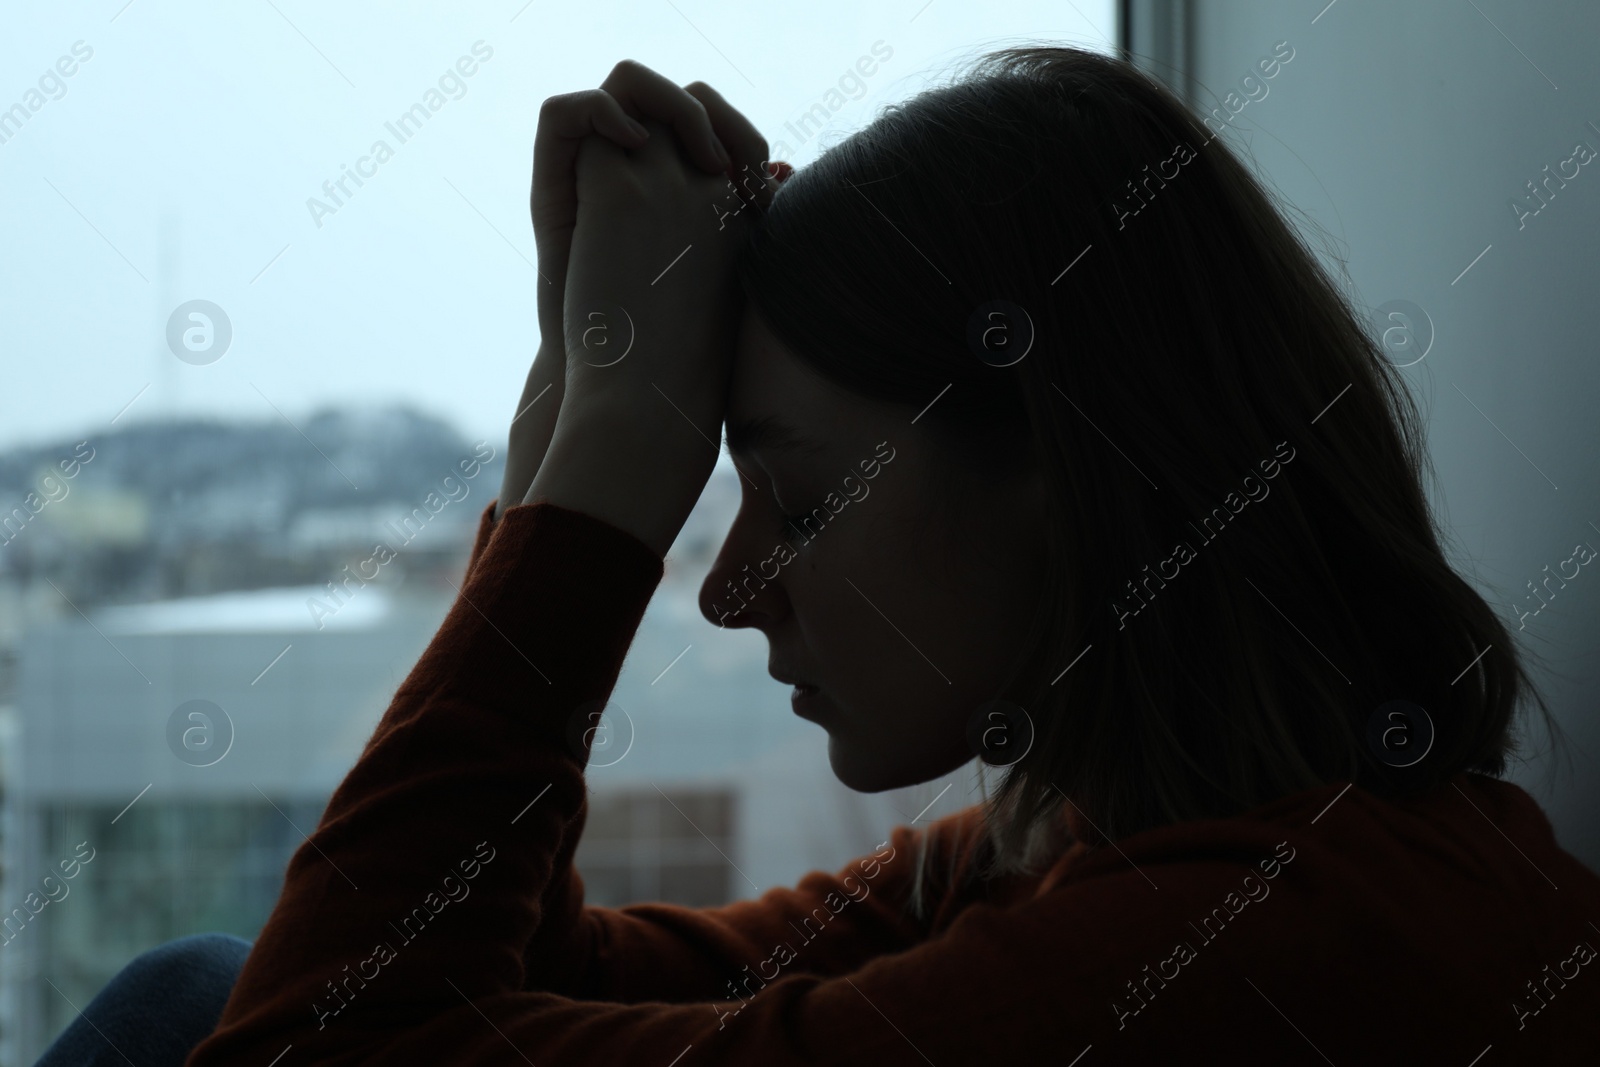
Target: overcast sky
(175, 161)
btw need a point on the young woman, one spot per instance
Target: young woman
(1058, 449)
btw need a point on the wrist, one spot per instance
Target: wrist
(532, 426)
(639, 475)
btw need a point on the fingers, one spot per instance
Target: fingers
(736, 132)
(564, 121)
(643, 93)
(743, 140)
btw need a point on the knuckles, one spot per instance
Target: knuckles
(626, 71)
(567, 101)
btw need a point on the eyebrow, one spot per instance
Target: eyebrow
(768, 434)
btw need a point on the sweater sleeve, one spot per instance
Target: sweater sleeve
(434, 916)
(667, 952)
(664, 952)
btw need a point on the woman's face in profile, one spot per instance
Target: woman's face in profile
(904, 595)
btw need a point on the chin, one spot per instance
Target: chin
(870, 772)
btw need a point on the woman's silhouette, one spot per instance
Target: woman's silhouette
(1059, 449)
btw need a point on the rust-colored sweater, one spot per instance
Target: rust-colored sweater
(435, 916)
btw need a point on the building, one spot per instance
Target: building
(179, 751)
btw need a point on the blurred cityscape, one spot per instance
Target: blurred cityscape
(197, 637)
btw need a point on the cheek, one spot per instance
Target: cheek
(829, 584)
(885, 628)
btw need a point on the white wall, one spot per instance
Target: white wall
(1402, 131)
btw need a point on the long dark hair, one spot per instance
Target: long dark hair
(1195, 377)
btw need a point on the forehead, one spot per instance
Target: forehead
(764, 370)
(774, 395)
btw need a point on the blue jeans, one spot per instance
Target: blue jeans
(156, 1009)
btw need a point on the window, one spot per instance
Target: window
(244, 347)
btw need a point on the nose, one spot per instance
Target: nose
(741, 589)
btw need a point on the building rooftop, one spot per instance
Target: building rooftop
(281, 610)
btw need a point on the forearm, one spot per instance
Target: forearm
(641, 475)
(532, 425)
(476, 751)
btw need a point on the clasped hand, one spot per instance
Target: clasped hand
(641, 194)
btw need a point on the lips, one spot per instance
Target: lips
(807, 702)
(788, 679)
